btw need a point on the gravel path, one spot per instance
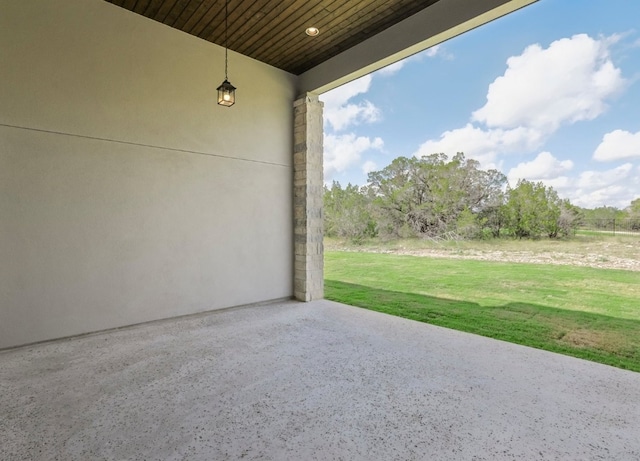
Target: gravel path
(596, 259)
(569, 259)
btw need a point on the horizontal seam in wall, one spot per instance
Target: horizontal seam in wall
(173, 149)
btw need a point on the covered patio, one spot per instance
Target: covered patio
(309, 381)
(129, 195)
(152, 243)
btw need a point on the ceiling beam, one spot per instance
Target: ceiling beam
(429, 27)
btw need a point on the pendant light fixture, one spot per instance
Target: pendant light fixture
(226, 91)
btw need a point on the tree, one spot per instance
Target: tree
(347, 213)
(604, 216)
(427, 196)
(571, 217)
(550, 217)
(634, 214)
(493, 215)
(525, 205)
(434, 195)
(533, 209)
(394, 194)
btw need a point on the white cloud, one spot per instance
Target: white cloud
(369, 166)
(433, 51)
(614, 187)
(341, 95)
(339, 114)
(482, 145)
(541, 89)
(616, 195)
(438, 51)
(544, 88)
(343, 151)
(562, 184)
(544, 166)
(599, 179)
(618, 145)
(392, 68)
(352, 114)
(590, 189)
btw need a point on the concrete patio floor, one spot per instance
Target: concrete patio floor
(315, 381)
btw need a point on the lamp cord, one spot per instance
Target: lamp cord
(226, 38)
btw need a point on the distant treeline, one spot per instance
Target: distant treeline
(435, 196)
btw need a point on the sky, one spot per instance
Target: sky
(548, 93)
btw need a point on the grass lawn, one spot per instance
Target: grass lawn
(584, 312)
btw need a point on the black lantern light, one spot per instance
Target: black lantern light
(226, 91)
(226, 94)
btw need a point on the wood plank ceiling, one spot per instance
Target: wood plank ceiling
(273, 31)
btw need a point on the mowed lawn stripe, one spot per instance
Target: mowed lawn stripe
(583, 312)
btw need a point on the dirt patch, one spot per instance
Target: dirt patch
(620, 252)
(560, 258)
(592, 339)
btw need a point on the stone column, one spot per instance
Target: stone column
(308, 283)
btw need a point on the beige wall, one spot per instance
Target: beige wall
(126, 193)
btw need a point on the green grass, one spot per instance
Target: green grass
(584, 312)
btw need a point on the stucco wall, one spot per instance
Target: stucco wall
(126, 193)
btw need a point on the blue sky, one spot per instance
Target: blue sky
(548, 93)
